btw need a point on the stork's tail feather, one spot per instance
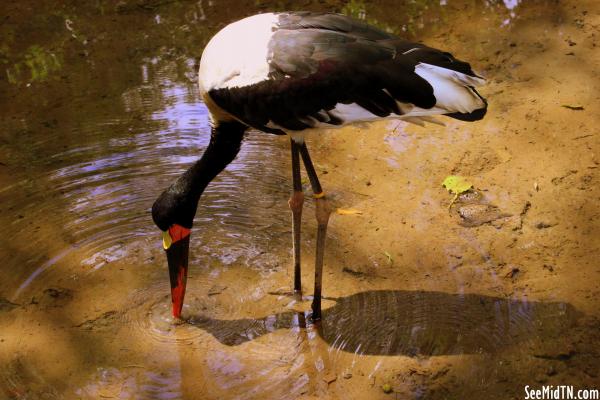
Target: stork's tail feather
(454, 91)
(475, 115)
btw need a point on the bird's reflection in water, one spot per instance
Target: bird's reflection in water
(412, 323)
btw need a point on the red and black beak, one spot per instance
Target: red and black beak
(176, 242)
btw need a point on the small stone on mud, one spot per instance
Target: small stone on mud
(512, 273)
(216, 289)
(329, 377)
(56, 296)
(473, 215)
(543, 225)
(352, 272)
(549, 267)
(347, 375)
(53, 292)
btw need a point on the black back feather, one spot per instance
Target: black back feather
(319, 60)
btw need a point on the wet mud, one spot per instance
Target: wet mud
(423, 299)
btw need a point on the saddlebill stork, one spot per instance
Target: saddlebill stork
(293, 73)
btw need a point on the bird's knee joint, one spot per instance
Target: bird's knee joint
(322, 211)
(296, 201)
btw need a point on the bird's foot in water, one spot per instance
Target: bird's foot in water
(315, 318)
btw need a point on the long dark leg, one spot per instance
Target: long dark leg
(296, 201)
(322, 213)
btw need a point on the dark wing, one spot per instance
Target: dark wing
(330, 22)
(318, 61)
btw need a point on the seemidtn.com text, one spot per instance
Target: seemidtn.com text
(560, 392)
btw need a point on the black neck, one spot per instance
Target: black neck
(177, 204)
(225, 141)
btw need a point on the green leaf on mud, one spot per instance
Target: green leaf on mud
(456, 184)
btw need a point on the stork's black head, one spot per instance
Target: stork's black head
(173, 212)
(174, 206)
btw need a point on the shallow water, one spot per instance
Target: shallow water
(100, 112)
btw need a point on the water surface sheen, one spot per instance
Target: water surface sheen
(100, 112)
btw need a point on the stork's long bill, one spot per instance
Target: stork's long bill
(176, 242)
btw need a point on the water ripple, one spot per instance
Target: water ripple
(108, 181)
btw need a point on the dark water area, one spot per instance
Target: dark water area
(100, 111)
